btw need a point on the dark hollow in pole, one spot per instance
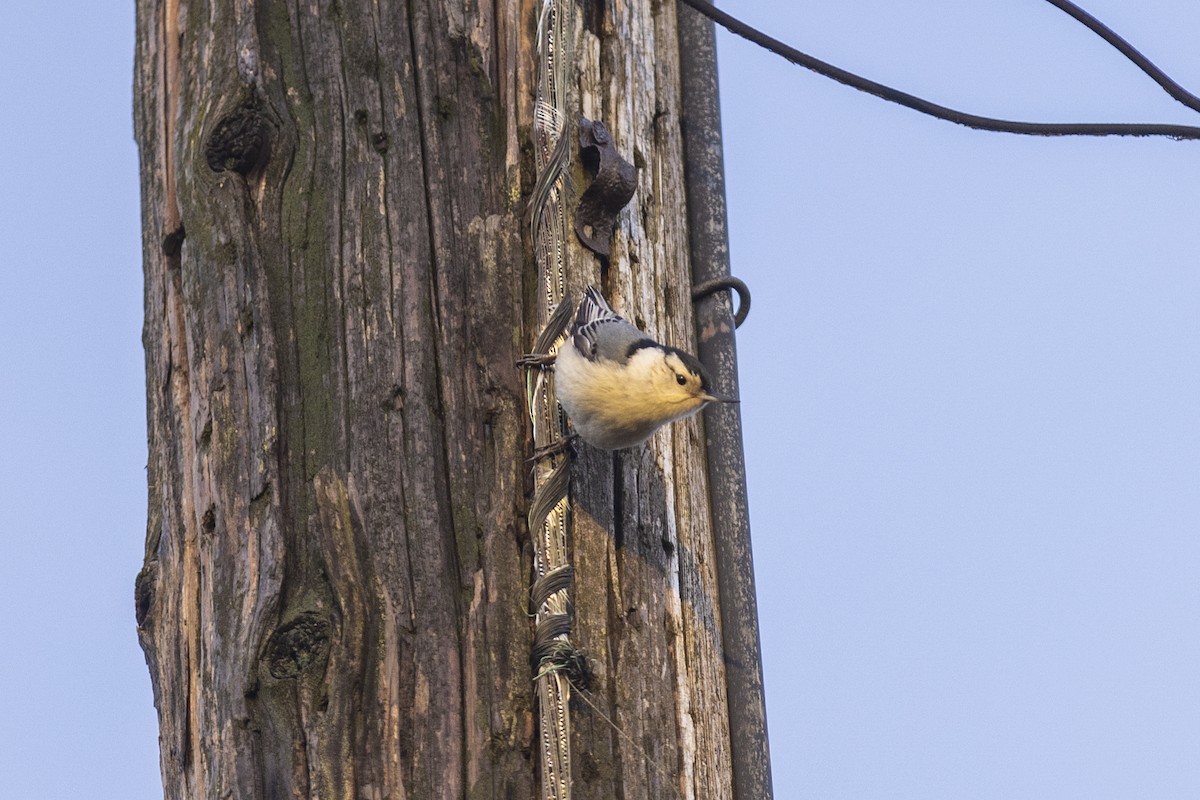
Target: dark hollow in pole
(709, 246)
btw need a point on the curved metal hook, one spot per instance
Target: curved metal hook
(703, 290)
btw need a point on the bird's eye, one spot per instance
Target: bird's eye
(682, 381)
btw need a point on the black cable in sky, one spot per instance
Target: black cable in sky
(793, 55)
(1130, 52)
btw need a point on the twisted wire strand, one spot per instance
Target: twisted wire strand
(550, 507)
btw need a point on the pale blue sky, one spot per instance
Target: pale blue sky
(970, 380)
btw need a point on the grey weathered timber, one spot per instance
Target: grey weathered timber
(334, 599)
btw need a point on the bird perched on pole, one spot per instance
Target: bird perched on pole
(618, 385)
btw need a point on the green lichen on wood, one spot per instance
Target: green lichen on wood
(260, 504)
(467, 533)
(307, 263)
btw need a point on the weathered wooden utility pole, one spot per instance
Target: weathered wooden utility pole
(334, 601)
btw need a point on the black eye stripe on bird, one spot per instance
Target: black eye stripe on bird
(618, 385)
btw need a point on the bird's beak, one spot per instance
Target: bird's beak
(713, 398)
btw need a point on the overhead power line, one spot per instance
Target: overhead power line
(1130, 52)
(736, 26)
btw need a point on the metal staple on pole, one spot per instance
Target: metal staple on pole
(549, 509)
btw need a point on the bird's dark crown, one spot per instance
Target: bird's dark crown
(690, 361)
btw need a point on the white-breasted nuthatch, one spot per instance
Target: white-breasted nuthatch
(617, 384)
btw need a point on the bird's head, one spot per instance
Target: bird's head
(681, 382)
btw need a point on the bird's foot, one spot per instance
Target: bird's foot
(564, 445)
(536, 360)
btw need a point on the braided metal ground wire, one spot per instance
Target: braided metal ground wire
(549, 509)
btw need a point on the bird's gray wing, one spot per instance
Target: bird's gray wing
(599, 333)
